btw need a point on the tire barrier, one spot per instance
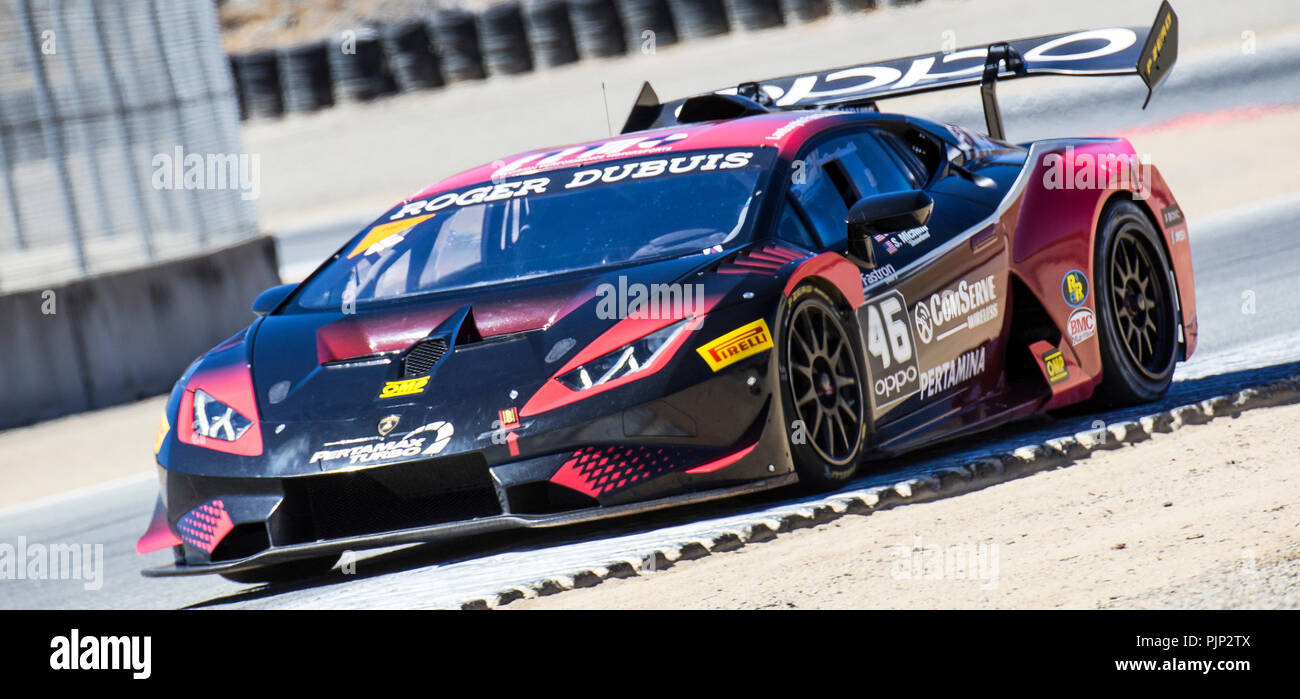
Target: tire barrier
(700, 18)
(305, 77)
(257, 75)
(503, 40)
(755, 14)
(597, 28)
(846, 7)
(455, 41)
(358, 68)
(641, 16)
(238, 85)
(550, 33)
(805, 11)
(409, 53)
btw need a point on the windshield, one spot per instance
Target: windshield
(551, 222)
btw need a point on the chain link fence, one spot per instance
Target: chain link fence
(119, 138)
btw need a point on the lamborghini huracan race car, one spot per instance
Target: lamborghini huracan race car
(744, 289)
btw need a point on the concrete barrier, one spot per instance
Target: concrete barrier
(124, 336)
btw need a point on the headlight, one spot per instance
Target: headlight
(628, 359)
(216, 420)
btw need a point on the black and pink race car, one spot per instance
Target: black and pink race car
(744, 289)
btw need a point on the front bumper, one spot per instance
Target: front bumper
(590, 471)
(485, 525)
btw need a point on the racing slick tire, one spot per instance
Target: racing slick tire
(1137, 327)
(821, 389)
(284, 572)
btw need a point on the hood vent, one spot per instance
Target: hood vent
(423, 356)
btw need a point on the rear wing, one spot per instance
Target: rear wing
(1149, 53)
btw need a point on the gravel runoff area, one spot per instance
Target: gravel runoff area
(1205, 517)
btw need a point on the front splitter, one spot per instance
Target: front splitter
(452, 530)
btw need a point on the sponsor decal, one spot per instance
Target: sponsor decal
(952, 373)
(576, 155)
(911, 237)
(891, 350)
(1158, 46)
(965, 64)
(641, 169)
(163, 428)
(1054, 364)
(1074, 288)
(878, 274)
(1082, 325)
(503, 429)
(386, 236)
(793, 124)
(1172, 216)
(404, 387)
(387, 424)
(745, 341)
(427, 440)
(969, 304)
(890, 246)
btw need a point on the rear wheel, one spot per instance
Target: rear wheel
(821, 390)
(284, 572)
(1135, 298)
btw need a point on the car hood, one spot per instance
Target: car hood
(313, 366)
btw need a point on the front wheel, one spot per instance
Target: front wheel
(821, 390)
(1138, 328)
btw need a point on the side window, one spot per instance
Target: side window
(919, 155)
(824, 191)
(874, 168)
(790, 228)
(837, 173)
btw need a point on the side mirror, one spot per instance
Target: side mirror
(885, 213)
(268, 300)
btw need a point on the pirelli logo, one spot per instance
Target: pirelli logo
(745, 341)
(1158, 46)
(404, 387)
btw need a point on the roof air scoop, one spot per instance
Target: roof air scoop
(649, 113)
(713, 107)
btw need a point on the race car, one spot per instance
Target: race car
(768, 284)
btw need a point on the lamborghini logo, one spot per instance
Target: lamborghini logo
(736, 345)
(388, 424)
